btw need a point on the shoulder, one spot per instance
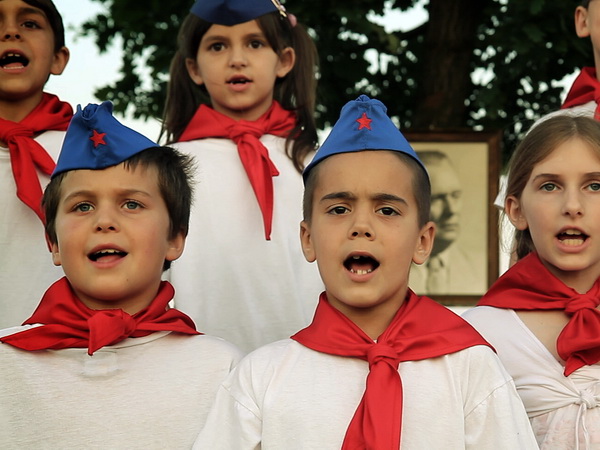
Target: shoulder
(206, 347)
(51, 141)
(486, 318)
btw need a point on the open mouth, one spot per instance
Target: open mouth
(97, 256)
(13, 60)
(572, 237)
(239, 80)
(361, 265)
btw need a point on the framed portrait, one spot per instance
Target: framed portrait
(464, 171)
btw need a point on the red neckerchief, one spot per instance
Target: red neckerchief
(585, 88)
(529, 285)
(68, 323)
(277, 121)
(421, 329)
(26, 154)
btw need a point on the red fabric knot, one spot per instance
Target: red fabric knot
(254, 156)
(580, 302)
(382, 352)
(530, 286)
(420, 329)
(67, 323)
(26, 155)
(16, 130)
(108, 327)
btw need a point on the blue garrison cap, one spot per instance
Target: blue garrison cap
(232, 12)
(96, 140)
(363, 125)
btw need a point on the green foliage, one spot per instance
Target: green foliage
(519, 49)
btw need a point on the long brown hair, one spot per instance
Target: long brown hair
(295, 92)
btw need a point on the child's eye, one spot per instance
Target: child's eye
(132, 204)
(256, 44)
(387, 211)
(549, 187)
(216, 46)
(594, 187)
(30, 24)
(338, 210)
(83, 207)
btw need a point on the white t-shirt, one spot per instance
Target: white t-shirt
(564, 411)
(287, 396)
(26, 268)
(151, 392)
(232, 281)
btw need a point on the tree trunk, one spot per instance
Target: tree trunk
(445, 76)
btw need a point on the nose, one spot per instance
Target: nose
(238, 57)
(106, 221)
(10, 31)
(573, 205)
(362, 227)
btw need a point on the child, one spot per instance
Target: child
(431, 380)
(542, 316)
(240, 100)
(583, 98)
(32, 125)
(104, 362)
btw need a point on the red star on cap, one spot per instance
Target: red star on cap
(364, 122)
(98, 138)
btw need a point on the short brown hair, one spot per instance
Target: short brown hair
(174, 171)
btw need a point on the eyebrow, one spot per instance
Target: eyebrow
(556, 175)
(344, 195)
(218, 37)
(90, 193)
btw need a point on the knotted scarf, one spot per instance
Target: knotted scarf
(421, 329)
(254, 156)
(585, 88)
(68, 323)
(529, 285)
(26, 154)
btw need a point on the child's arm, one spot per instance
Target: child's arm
(495, 419)
(234, 421)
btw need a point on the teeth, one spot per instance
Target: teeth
(572, 241)
(361, 271)
(573, 232)
(108, 251)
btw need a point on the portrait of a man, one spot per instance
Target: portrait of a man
(454, 266)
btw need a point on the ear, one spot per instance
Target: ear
(176, 246)
(55, 253)
(193, 71)
(61, 58)
(514, 211)
(306, 242)
(581, 22)
(424, 243)
(286, 62)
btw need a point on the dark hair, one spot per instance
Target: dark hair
(295, 92)
(585, 3)
(174, 171)
(54, 18)
(537, 145)
(420, 183)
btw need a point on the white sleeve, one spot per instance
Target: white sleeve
(499, 421)
(234, 421)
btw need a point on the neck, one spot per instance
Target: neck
(17, 110)
(373, 320)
